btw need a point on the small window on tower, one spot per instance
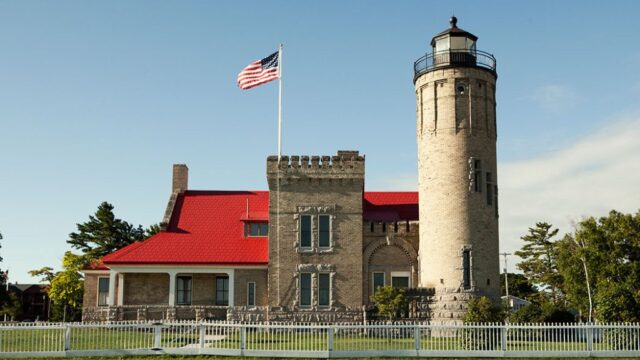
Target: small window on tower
(466, 269)
(477, 175)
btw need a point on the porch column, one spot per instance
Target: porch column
(112, 288)
(120, 289)
(231, 286)
(172, 289)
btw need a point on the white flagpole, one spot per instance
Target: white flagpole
(279, 102)
(278, 177)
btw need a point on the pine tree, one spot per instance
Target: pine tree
(539, 259)
(104, 233)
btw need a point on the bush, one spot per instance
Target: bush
(483, 310)
(390, 302)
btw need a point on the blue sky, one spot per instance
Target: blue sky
(98, 99)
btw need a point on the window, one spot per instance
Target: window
(305, 231)
(400, 279)
(378, 280)
(477, 175)
(305, 289)
(103, 291)
(251, 294)
(222, 290)
(183, 290)
(324, 289)
(257, 229)
(324, 231)
(489, 189)
(466, 269)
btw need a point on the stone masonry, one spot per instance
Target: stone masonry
(316, 186)
(456, 132)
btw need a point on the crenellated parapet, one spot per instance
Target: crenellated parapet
(343, 165)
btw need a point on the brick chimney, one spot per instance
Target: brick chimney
(180, 178)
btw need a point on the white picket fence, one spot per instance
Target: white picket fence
(319, 340)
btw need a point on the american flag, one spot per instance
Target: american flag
(259, 72)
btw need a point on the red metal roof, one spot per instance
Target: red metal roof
(390, 206)
(207, 227)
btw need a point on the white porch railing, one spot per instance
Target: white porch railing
(320, 340)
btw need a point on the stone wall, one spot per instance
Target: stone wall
(146, 289)
(242, 278)
(456, 125)
(389, 247)
(316, 186)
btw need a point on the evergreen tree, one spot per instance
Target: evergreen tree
(6, 300)
(519, 286)
(104, 233)
(539, 259)
(152, 230)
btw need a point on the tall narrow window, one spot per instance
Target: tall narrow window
(378, 281)
(183, 293)
(103, 291)
(305, 231)
(324, 231)
(305, 289)
(466, 269)
(324, 289)
(251, 294)
(489, 189)
(222, 290)
(477, 175)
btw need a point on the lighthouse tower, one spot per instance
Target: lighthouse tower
(458, 181)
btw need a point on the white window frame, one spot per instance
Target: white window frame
(248, 229)
(330, 289)
(311, 219)
(190, 290)
(98, 291)
(399, 274)
(330, 231)
(373, 282)
(254, 293)
(227, 290)
(306, 306)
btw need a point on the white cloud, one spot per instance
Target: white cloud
(555, 97)
(587, 178)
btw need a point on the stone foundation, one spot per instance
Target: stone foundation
(282, 314)
(151, 313)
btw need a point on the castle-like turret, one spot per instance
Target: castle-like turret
(456, 133)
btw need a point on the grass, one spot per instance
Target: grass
(25, 339)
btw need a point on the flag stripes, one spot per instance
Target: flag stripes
(259, 72)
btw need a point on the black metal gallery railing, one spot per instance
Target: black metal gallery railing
(454, 57)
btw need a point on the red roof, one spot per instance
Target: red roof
(207, 227)
(390, 206)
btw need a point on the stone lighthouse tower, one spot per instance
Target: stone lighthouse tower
(458, 182)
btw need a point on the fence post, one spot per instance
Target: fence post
(590, 337)
(202, 332)
(503, 336)
(243, 338)
(330, 332)
(67, 337)
(416, 337)
(157, 336)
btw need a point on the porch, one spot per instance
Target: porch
(181, 292)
